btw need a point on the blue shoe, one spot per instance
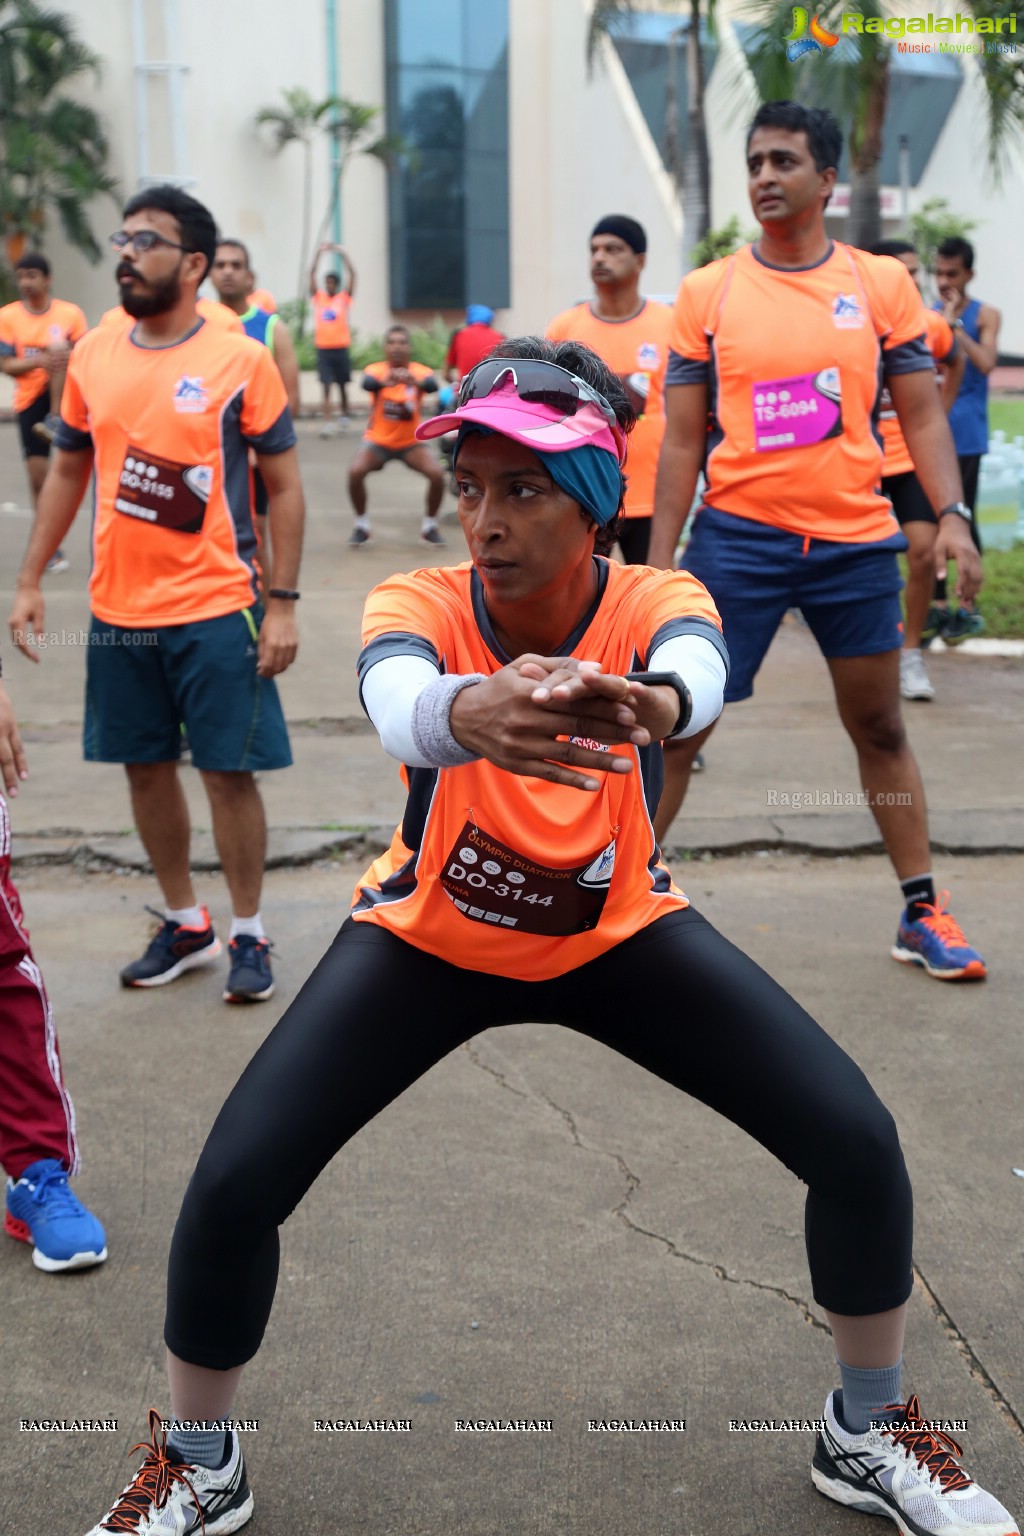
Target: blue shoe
(42, 1209)
(249, 980)
(171, 952)
(936, 941)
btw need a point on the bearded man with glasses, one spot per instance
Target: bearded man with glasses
(186, 632)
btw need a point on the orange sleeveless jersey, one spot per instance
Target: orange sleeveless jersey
(395, 412)
(510, 875)
(213, 310)
(793, 361)
(23, 333)
(637, 350)
(330, 319)
(173, 538)
(938, 333)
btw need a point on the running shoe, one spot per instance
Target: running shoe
(328, 429)
(358, 537)
(914, 680)
(43, 1210)
(961, 625)
(47, 428)
(172, 1498)
(936, 941)
(433, 535)
(249, 980)
(172, 951)
(907, 1472)
(697, 766)
(934, 624)
(57, 563)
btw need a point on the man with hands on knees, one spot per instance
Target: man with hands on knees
(526, 694)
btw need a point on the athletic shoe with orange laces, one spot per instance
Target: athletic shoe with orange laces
(937, 942)
(905, 1470)
(175, 1498)
(171, 952)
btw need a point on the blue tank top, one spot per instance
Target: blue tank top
(968, 420)
(259, 324)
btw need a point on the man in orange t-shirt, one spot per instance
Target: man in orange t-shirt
(37, 333)
(396, 387)
(331, 334)
(631, 334)
(184, 632)
(778, 356)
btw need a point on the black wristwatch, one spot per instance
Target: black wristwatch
(282, 592)
(668, 680)
(960, 508)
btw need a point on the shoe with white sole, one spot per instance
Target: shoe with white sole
(907, 1471)
(914, 680)
(175, 1498)
(172, 951)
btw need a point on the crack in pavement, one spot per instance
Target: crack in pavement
(975, 1368)
(621, 1211)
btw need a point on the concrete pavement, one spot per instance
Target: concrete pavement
(538, 1230)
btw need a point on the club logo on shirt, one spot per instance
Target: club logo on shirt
(599, 872)
(647, 355)
(189, 395)
(847, 314)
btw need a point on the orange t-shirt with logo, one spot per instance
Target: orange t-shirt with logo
(218, 314)
(794, 363)
(510, 875)
(637, 350)
(938, 333)
(330, 319)
(171, 427)
(263, 300)
(395, 409)
(23, 333)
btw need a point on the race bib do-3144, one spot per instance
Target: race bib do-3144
(489, 882)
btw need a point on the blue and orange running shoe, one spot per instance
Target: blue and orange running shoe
(937, 942)
(171, 952)
(43, 1210)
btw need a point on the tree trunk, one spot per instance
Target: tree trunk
(865, 217)
(305, 256)
(697, 164)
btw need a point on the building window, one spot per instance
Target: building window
(447, 95)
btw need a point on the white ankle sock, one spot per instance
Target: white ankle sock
(186, 917)
(253, 926)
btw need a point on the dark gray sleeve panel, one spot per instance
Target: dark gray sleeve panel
(397, 643)
(371, 383)
(907, 357)
(686, 370)
(429, 386)
(8, 349)
(689, 626)
(70, 439)
(276, 439)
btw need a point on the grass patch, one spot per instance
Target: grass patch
(1001, 600)
(1006, 414)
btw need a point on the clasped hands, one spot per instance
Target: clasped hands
(551, 717)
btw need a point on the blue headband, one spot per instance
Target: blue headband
(589, 475)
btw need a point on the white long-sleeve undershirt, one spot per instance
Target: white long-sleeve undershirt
(392, 686)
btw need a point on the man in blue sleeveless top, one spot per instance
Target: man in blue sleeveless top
(976, 327)
(231, 275)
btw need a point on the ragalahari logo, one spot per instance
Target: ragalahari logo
(799, 44)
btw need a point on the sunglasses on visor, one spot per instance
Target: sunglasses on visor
(537, 383)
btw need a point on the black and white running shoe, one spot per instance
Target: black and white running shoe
(173, 1498)
(906, 1470)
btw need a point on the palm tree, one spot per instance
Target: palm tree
(53, 150)
(348, 125)
(854, 82)
(689, 163)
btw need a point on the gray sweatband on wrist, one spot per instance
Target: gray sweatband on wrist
(431, 730)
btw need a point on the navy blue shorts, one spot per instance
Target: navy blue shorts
(143, 685)
(848, 593)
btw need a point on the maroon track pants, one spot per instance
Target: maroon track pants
(37, 1117)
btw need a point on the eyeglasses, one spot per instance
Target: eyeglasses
(143, 240)
(538, 383)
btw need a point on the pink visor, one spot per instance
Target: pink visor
(537, 426)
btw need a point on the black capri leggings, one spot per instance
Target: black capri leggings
(677, 998)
